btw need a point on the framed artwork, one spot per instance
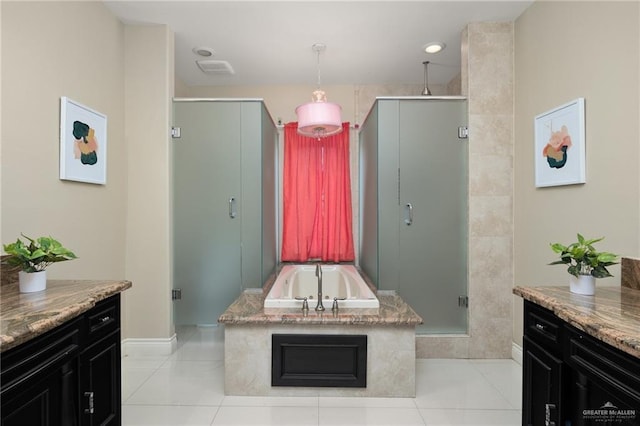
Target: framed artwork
(560, 145)
(83, 143)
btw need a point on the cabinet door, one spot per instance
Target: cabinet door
(595, 401)
(206, 209)
(604, 382)
(542, 386)
(48, 399)
(433, 213)
(39, 379)
(100, 392)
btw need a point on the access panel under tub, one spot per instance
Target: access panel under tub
(312, 360)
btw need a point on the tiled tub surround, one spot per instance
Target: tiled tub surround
(24, 316)
(612, 315)
(391, 351)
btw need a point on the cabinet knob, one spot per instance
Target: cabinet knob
(540, 326)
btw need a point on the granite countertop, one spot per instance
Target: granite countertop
(612, 315)
(248, 309)
(24, 316)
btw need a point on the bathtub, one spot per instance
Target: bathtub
(341, 281)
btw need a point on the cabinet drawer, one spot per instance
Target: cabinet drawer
(543, 327)
(102, 319)
(611, 368)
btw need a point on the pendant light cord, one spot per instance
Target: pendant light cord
(318, 65)
(318, 94)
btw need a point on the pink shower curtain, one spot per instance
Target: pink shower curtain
(317, 197)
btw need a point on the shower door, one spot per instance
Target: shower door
(206, 201)
(432, 261)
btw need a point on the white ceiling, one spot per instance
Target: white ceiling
(269, 42)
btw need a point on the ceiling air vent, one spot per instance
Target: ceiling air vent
(211, 66)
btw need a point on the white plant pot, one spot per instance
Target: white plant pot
(583, 284)
(30, 282)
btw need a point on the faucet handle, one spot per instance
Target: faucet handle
(305, 304)
(334, 306)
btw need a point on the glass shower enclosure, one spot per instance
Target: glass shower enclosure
(414, 206)
(224, 204)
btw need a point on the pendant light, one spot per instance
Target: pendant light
(319, 118)
(426, 91)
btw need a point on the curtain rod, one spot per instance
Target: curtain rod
(351, 126)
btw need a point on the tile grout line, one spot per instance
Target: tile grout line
(500, 392)
(141, 384)
(215, 415)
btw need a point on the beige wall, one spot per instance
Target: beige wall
(1, 134)
(48, 52)
(566, 50)
(181, 90)
(149, 86)
(119, 230)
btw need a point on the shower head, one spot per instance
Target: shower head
(426, 91)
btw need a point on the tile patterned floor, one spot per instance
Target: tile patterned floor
(187, 388)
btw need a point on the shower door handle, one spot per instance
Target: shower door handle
(232, 208)
(408, 220)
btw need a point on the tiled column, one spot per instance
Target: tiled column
(490, 78)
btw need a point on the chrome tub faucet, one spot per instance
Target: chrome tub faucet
(319, 306)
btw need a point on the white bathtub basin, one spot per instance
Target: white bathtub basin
(341, 281)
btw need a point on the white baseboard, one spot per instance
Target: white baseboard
(516, 353)
(149, 347)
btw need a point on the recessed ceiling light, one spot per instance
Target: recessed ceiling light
(434, 47)
(203, 51)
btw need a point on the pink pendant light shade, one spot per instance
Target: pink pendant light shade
(319, 118)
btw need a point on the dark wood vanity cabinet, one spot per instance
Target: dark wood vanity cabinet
(68, 376)
(543, 368)
(571, 378)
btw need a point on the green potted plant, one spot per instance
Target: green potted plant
(32, 258)
(585, 263)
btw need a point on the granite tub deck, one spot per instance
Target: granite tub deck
(390, 334)
(24, 316)
(612, 315)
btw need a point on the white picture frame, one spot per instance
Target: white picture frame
(560, 150)
(83, 143)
